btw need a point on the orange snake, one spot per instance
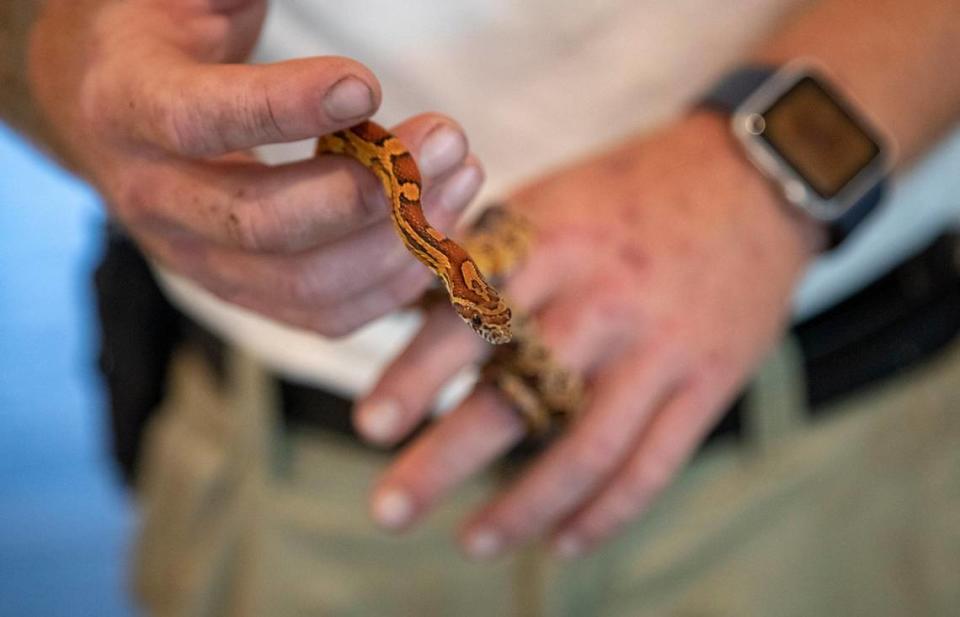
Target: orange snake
(521, 369)
(475, 300)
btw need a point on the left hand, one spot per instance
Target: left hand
(662, 272)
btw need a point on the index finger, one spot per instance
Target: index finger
(443, 347)
(286, 208)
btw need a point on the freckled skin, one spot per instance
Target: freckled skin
(543, 392)
(635, 258)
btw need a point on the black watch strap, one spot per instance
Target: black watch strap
(733, 89)
(841, 228)
(727, 94)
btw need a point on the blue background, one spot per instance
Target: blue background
(65, 520)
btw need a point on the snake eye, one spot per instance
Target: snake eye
(476, 321)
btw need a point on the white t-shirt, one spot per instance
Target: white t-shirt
(535, 83)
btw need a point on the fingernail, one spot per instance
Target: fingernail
(377, 420)
(392, 508)
(461, 188)
(568, 546)
(443, 148)
(483, 544)
(349, 98)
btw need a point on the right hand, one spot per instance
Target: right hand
(149, 102)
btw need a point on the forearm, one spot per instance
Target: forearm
(900, 59)
(16, 105)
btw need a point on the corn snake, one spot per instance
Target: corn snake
(521, 368)
(475, 300)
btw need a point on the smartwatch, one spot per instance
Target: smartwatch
(827, 158)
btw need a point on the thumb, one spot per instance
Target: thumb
(211, 109)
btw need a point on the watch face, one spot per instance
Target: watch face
(811, 130)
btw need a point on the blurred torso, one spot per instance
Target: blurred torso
(534, 83)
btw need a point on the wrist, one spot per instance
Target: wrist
(757, 200)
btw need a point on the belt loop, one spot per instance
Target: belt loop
(256, 399)
(250, 393)
(776, 402)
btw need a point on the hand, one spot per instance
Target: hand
(662, 272)
(149, 104)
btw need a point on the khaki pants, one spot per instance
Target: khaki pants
(857, 513)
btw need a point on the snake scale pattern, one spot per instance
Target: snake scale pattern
(521, 368)
(475, 300)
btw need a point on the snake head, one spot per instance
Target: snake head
(490, 320)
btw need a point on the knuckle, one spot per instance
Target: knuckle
(259, 116)
(558, 237)
(712, 368)
(236, 293)
(228, 292)
(303, 286)
(599, 523)
(232, 295)
(433, 120)
(135, 197)
(177, 128)
(522, 517)
(242, 229)
(366, 200)
(653, 474)
(255, 226)
(621, 508)
(608, 305)
(405, 290)
(181, 125)
(567, 243)
(152, 112)
(436, 117)
(635, 262)
(597, 453)
(332, 327)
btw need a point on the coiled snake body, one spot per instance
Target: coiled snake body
(521, 367)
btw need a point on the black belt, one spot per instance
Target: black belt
(893, 324)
